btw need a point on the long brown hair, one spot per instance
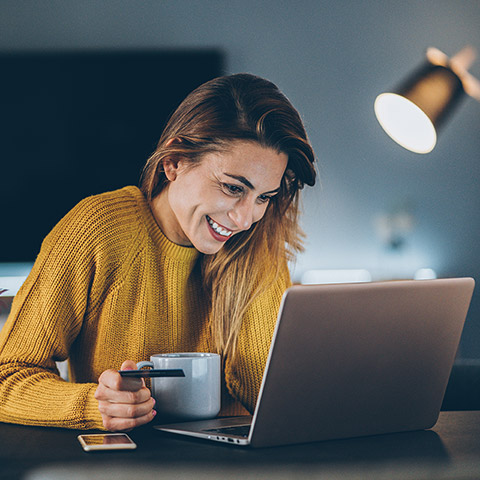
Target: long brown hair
(240, 107)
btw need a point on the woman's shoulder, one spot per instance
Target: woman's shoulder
(109, 207)
(107, 217)
(126, 200)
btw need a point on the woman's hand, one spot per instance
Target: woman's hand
(124, 403)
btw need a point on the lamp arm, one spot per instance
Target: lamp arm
(471, 85)
(459, 63)
(463, 59)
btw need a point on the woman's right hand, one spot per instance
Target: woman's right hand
(124, 403)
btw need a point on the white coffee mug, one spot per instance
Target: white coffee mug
(196, 396)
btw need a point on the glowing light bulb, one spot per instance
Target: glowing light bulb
(405, 123)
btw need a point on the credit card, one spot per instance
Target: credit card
(153, 372)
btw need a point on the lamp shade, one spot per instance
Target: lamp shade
(412, 113)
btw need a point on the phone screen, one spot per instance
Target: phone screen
(106, 441)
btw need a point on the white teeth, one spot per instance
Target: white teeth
(218, 229)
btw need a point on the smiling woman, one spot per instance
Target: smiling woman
(195, 260)
(229, 191)
(245, 123)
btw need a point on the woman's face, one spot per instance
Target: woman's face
(224, 194)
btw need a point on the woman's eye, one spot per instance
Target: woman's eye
(264, 198)
(232, 189)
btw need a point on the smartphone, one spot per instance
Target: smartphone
(106, 441)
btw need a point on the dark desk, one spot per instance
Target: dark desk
(451, 450)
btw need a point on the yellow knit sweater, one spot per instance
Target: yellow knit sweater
(109, 286)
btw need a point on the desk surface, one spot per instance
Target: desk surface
(450, 450)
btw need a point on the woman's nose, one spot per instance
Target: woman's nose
(242, 214)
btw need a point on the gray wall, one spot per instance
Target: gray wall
(331, 58)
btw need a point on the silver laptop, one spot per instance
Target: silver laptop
(351, 360)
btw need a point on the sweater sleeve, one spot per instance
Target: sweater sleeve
(244, 375)
(45, 319)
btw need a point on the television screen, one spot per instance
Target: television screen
(73, 124)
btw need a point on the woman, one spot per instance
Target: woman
(194, 261)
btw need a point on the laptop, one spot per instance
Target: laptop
(351, 360)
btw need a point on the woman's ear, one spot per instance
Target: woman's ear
(170, 164)
(170, 167)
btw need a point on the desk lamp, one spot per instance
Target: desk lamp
(412, 113)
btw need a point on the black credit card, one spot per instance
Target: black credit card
(153, 372)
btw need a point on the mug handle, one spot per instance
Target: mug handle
(141, 365)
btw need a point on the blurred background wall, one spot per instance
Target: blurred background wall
(376, 206)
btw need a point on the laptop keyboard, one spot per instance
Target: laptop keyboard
(238, 431)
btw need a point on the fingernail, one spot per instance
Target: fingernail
(154, 412)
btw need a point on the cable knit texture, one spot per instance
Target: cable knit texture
(109, 286)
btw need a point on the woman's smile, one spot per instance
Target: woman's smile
(219, 232)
